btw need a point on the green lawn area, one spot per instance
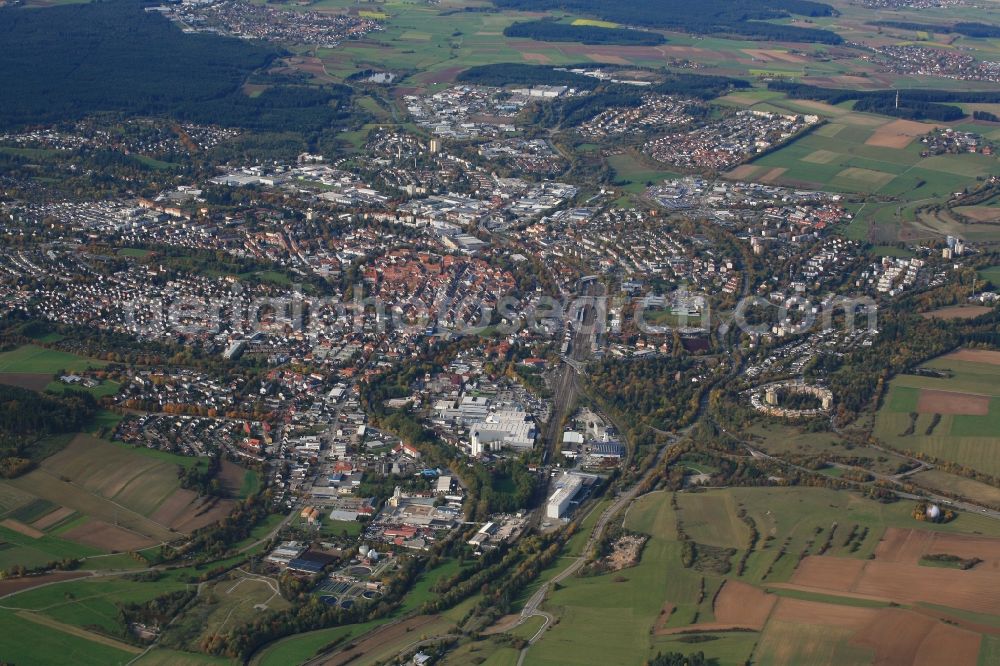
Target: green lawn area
(991, 274)
(628, 168)
(300, 648)
(34, 359)
(25, 642)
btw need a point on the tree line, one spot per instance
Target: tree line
(969, 29)
(552, 31)
(741, 18)
(916, 104)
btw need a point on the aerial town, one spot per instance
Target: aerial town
(499, 333)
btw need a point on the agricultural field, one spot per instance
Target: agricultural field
(770, 614)
(94, 497)
(863, 153)
(434, 42)
(33, 367)
(955, 417)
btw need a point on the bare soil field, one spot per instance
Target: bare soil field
(206, 514)
(46, 485)
(976, 356)
(951, 402)
(614, 51)
(742, 172)
(772, 175)
(901, 638)
(663, 617)
(52, 517)
(445, 75)
(32, 381)
(14, 585)
(830, 615)
(958, 312)
(608, 59)
(900, 545)
(774, 55)
(898, 133)
(100, 534)
(21, 528)
(174, 508)
(979, 213)
(976, 590)
(537, 57)
(739, 603)
(832, 573)
(231, 477)
(738, 607)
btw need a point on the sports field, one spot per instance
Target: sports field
(957, 415)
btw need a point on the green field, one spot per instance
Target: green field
(300, 648)
(38, 360)
(90, 604)
(969, 440)
(635, 174)
(23, 641)
(992, 275)
(164, 657)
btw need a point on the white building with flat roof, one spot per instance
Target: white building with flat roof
(566, 489)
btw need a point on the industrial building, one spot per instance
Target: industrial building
(566, 490)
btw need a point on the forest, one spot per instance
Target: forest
(746, 19)
(916, 104)
(976, 30)
(551, 31)
(66, 62)
(26, 416)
